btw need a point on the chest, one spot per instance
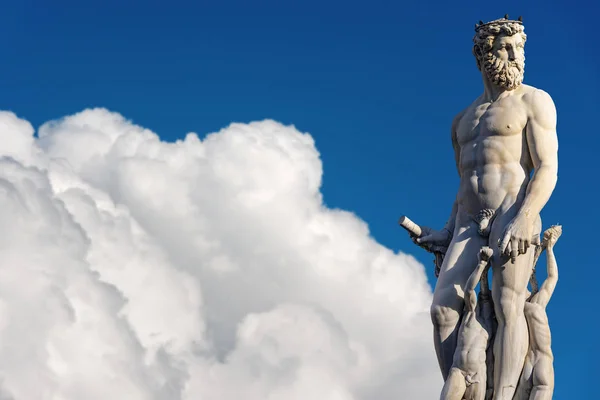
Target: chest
(503, 119)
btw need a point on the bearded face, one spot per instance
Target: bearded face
(507, 74)
(503, 60)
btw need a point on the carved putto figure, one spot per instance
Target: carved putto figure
(468, 375)
(537, 378)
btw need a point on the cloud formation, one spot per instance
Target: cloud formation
(134, 268)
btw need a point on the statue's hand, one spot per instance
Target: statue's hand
(432, 238)
(551, 235)
(516, 238)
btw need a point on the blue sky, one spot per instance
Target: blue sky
(376, 84)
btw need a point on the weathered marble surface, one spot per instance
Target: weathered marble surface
(505, 146)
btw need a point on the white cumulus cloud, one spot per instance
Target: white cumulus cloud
(133, 268)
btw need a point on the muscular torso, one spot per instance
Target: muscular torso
(539, 330)
(494, 161)
(472, 344)
(538, 369)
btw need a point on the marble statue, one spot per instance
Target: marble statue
(505, 147)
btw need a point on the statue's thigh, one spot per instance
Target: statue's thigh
(525, 381)
(459, 262)
(508, 277)
(455, 386)
(543, 374)
(475, 392)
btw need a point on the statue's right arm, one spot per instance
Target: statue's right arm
(444, 236)
(455, 144)
(450, 224)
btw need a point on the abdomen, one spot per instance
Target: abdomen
(490, 176)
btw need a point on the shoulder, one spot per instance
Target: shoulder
(458, 117)
(540, 106)
(537, 99)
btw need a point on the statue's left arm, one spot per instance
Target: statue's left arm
(542, 143)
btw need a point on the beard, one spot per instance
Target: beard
(506, 74)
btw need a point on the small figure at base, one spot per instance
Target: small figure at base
(537, 378)
(468, 378)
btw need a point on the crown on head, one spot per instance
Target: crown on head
(504, 20)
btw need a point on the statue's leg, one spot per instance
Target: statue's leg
(489, 364)
(448, 297)
(543, 379)
(455, 386)
(509, 290)
(525, 380)
(541, 393)
(477, 390)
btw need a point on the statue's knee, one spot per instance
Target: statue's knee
(443, 316)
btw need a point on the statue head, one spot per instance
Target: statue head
(499, 51)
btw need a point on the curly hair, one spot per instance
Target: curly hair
(487, 33)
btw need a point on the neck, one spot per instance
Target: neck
(491, 91)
